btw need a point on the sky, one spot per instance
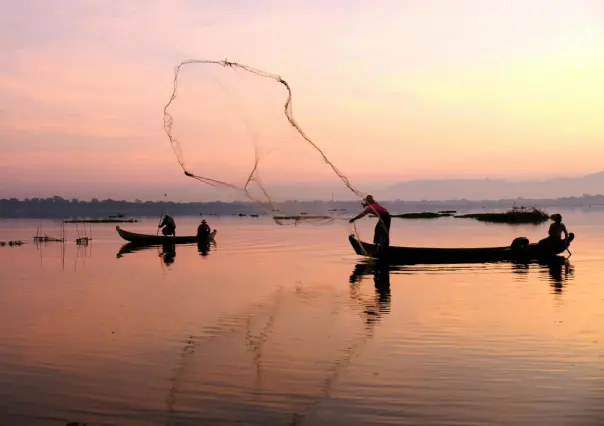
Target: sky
(391, 90)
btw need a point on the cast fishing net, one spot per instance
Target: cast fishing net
(232, 128)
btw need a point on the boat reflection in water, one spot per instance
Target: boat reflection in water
(203, 247)
(166, 251)
(557, 272)
(380, 305)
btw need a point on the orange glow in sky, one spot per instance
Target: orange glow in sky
(391, 90)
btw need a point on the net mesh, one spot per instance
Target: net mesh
(230, 134)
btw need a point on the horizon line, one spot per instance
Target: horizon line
(453, 200)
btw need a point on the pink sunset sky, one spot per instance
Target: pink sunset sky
(391, 90)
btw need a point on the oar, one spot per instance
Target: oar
(160, 219)
(570, 238)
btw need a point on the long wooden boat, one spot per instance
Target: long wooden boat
(519, 250)
(146, 239)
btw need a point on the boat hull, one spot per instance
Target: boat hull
(414, 255)
(146, 239)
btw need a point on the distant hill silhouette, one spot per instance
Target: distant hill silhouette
(492, 189)
(411, 196)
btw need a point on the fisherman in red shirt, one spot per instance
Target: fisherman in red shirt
(381, 235)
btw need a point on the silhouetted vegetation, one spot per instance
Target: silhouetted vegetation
(109, 210)
(74, 209)
(513, 216)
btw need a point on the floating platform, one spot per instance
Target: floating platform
(534, 216)
(422, 215)
(100, 221)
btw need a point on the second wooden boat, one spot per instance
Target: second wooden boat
(160, 239)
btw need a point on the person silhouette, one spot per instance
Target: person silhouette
(169, 226)
(203, 230)
(381, 234)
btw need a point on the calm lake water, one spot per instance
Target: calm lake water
(284, 325)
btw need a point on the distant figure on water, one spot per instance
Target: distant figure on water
(203, 230)
(381, 235)
(169, 226)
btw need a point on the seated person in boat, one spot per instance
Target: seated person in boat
(381, 235)
(203, 230)
(169, 226)
(556, 229)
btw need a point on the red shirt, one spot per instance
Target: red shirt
(374, 208)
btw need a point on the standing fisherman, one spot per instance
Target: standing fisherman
(381, 235)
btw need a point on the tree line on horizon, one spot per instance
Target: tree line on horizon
(59, 207)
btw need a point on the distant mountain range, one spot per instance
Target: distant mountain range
(409, 196)
(493, 189)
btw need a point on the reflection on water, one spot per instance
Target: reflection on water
(379, 304)
(557, 273)
(292, 336)
(203, 247)
(56, 252)
(167, 252)
(287, 326)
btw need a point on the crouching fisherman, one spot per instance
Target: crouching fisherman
(169, 226)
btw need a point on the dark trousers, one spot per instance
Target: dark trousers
(381, 235)
(168, 231)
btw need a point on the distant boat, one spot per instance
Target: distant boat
(147, 239)
(300, 217)
(100, 221)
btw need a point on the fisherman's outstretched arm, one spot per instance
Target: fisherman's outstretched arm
(367, 210)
